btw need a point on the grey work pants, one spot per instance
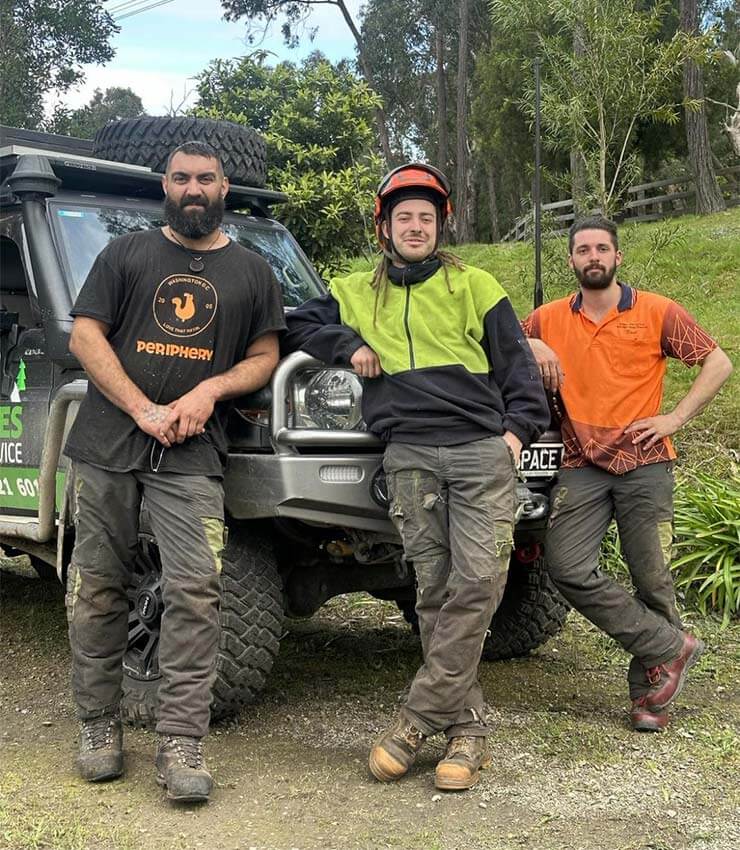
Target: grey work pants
(186, 514)
(585, 500)
(454, 509)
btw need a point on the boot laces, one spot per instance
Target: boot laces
(189, 750)
(98, 733)
(412, 736)
(466, 745)
(654, 674)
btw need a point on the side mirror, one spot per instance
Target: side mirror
(10, 359)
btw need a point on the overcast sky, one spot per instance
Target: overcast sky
(159, 51)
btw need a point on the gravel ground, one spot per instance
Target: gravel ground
(567, 774)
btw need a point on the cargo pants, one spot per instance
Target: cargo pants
(454, 509)
(646, 624)
(186, 515)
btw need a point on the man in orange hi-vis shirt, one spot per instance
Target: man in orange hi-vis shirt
(604, 349)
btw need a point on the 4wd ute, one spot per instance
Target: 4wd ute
(305, 494)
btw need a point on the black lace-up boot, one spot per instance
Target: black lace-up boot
(101, 748)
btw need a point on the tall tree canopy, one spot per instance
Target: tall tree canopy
(317, 119)
(594, 98)
(45, 43)
(113, 105)
(294, 14)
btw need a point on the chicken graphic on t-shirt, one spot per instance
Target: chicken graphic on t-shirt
(184, 307)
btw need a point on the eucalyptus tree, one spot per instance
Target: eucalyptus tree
(708, 195)
(594, 99)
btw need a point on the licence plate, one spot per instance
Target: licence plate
(541, 460)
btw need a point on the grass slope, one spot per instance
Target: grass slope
(694, 260)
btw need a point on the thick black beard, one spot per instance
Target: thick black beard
(603, 281)
(193, 224)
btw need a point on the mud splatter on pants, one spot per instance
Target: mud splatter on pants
(647, 625)
(454, 509)
(186, 515)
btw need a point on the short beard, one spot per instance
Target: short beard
(601, 281)
(193, 224)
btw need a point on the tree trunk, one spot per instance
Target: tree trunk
(577, 165)
(733, 128)
(578, 181)
(708, 196)
(462, 221)
(492, 201)
(439, 55)
(380, 119)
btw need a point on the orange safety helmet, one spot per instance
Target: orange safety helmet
(428, 181)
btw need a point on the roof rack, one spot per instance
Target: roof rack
(73, 162)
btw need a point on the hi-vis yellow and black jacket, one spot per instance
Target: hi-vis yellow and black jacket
(456, 365)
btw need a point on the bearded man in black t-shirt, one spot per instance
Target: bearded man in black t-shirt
(170, 324)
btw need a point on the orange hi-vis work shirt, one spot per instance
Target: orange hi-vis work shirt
(614, 372)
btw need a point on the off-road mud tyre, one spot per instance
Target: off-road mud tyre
(148, 141)
(531, 612)
(251, 617)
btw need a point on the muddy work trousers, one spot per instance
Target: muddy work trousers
(646, 624)
(186, 516)
(454, 509)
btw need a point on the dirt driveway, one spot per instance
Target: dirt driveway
(290, 772)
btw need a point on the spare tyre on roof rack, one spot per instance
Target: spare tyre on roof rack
(149, 140)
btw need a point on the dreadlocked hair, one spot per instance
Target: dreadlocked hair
(381, 280)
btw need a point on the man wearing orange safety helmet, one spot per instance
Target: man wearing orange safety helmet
(452, 388)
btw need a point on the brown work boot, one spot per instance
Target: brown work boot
(644, 720)
(459, 769)
(182, 769)
(395, 750)
(667, 680)
(101, 748)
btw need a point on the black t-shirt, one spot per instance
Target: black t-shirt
(171, 329)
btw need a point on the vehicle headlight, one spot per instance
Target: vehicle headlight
(329, 399)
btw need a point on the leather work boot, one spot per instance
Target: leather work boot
(644, 720)
(182, 769)
(101, 748)
(667, 680)
(395, 750)
(459, 768)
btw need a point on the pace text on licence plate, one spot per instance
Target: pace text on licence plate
(541, 460)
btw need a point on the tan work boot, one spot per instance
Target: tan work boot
(395, 750)
(463, 758)
(182, 769)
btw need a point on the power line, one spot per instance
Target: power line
(134, 7)
(119, 6)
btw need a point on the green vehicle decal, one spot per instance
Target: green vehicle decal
(19, 488)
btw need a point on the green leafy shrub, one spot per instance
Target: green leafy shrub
(317, 120)
(707, 530)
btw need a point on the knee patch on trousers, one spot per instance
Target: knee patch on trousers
(665, 535)
(97, 592)
(214, 531)
(73, 594)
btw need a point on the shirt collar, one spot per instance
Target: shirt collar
(626, 299)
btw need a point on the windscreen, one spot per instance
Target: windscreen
(83, 231)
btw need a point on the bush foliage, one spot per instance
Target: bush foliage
(707, 529)
(317, 120)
